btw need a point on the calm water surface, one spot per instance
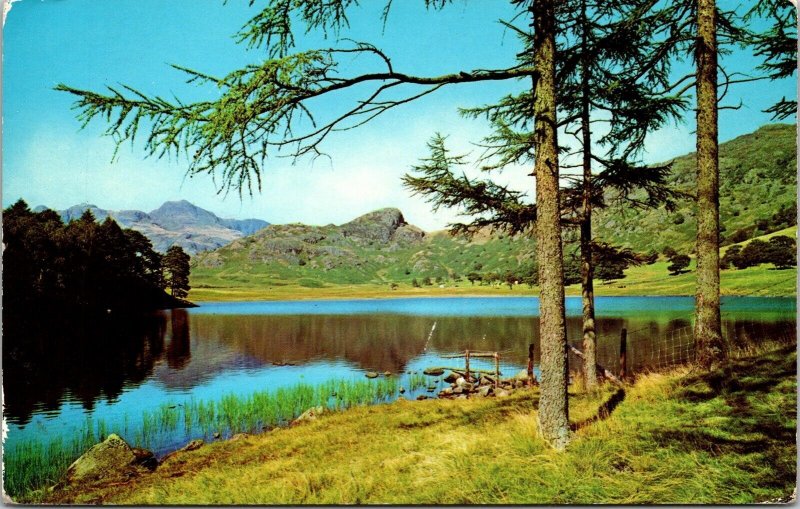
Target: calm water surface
(223, 348)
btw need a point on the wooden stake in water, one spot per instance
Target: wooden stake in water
(466, 364)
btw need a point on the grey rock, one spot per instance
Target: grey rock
(193, 445)
(485, 390)
(371, 374)
(433, 372)
(450, 378)
(111, 459)
(310, 415)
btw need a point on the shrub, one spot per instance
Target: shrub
(678, 263)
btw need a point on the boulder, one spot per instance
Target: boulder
(462, 383)
(452, 377)
(371, 374)
(310, 415)
(145, 458)
(433, 372)
(502, 393)
(387, 373)
(402, 390)
(519, 384)
(447, 391)
(111, 459)
(421, 397)
(458, 390)
(193, 445)
(485, 390)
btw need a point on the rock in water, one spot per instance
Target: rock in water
(371, 374)
(112, 458)
(433, 372)
(452, 377)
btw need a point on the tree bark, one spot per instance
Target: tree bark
(553, 409)
(587, 265)
(708, 327)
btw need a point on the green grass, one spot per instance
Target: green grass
(677, 437)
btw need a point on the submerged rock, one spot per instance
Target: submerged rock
(371, 374)
(433, 372)
(111, 459)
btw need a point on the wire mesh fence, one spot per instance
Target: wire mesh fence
(655, 347)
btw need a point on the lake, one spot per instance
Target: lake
(114, 371)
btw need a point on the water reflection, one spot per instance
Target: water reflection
(46, 363)
(182, 352)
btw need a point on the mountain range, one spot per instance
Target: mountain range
(757, 196)
(175, 222)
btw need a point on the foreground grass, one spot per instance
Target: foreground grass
(676, 437)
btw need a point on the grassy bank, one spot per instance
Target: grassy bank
(676, 437)
(762, 281)
(35, 464)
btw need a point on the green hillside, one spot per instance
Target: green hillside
(380, 249)
(758, 185)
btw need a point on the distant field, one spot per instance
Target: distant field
(236, 284)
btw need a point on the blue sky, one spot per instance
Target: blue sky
(48, 160)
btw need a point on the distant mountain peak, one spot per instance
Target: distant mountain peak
(175, 222)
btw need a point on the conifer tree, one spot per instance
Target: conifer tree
(176, 267)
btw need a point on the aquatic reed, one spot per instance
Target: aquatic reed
(34, 464)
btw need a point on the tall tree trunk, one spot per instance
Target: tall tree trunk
(587, 265)
(708, 328)
(553, 409)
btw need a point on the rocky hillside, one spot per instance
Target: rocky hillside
(378, 247)
(175, 222)
(757, 196)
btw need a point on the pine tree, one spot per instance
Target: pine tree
(176, 267)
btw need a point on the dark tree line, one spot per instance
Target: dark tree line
(84, 265)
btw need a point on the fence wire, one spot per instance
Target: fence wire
(653, 348)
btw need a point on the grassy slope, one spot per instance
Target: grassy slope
(758, 178)
(645, 280)
(679, 437)
(757, 175)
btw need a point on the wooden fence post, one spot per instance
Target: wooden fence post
(623, 353)
(466, 363)
(530, 365)
(496, 371)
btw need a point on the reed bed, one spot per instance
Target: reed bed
(35, 464)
